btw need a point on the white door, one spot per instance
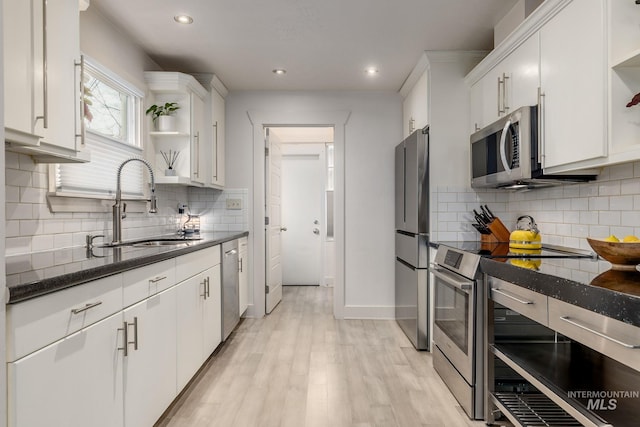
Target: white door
(302, 191)
(273, 227)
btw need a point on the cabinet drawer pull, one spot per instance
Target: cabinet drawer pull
(600, 334)
(511, 296)
(157, 279)
(85, 308)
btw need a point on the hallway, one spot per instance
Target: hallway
(301, 367)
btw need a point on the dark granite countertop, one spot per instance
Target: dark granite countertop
(586, 283)
(27, 278)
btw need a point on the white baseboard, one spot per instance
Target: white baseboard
(369, 312)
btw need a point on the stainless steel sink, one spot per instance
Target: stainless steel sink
(163, 243)
(159, 242)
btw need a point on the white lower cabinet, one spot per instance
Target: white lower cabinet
(150, 363)
(76, 381)
(199, 329)
(122, 363)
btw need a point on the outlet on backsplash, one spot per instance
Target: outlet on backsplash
(234, 204)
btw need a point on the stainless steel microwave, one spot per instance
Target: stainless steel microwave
(506, 154)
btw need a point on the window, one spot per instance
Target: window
(113, 120)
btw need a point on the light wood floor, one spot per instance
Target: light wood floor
(300, 367)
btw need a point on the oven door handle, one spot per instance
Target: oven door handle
(463, 285)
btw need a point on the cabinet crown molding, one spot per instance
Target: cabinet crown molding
(170, 81)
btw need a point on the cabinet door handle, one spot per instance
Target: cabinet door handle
(135, 333)
(45, 60)
(240, 265)
(600, 334)
(157, 279)
(215, 175)
(541, 139)
(208, 287)
(505, 107)
(85, 308)
(196, 159)
(511, 296)
(500, 111)
(125, 338)
(204, 288)
(82, 133)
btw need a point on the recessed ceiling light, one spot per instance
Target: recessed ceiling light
(183, 19)
(279, 71)
(371, 71)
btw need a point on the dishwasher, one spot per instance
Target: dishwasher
(230, 285)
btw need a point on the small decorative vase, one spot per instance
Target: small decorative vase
(170, 172)
(166, 124)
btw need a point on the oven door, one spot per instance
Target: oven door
(454, 319)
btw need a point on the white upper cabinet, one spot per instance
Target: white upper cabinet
(189, 137)
(624, 60)
(415, 107)
(573, 85)
(511, 84)
(42, 78)
(558, 58)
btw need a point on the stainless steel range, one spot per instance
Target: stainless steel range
(458, 354)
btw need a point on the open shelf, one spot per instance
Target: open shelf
(563, 371)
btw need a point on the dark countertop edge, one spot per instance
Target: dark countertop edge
(609, 303)
(27, 291)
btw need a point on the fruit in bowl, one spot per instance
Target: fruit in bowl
(623, 255)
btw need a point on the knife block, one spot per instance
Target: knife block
(499, 233)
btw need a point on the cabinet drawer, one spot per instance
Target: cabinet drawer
(528, 303)
(196, 262)
(618, 340)
(146, 281)
(38, 322)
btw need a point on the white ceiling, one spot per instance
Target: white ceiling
(323, 44)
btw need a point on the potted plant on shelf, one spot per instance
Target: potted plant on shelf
(161, 115)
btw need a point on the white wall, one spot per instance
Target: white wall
(113, 48)
(373, 129)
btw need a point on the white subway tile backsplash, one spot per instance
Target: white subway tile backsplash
(598, 203)
(621, 203)
(610, 218)
(622, 171)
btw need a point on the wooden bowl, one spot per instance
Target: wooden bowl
(621, 255)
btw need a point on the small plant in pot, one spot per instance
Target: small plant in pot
(161, 115)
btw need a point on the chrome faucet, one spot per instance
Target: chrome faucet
(119, 208)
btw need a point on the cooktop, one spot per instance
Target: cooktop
(502, 250)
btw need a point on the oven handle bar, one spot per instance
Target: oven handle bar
(511, 296)
(464, 286)
(600, 334)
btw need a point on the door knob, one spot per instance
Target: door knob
(283, 228)
(316, 231)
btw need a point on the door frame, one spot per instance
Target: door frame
(280, 118)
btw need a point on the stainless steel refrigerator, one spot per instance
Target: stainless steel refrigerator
(412, 237)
